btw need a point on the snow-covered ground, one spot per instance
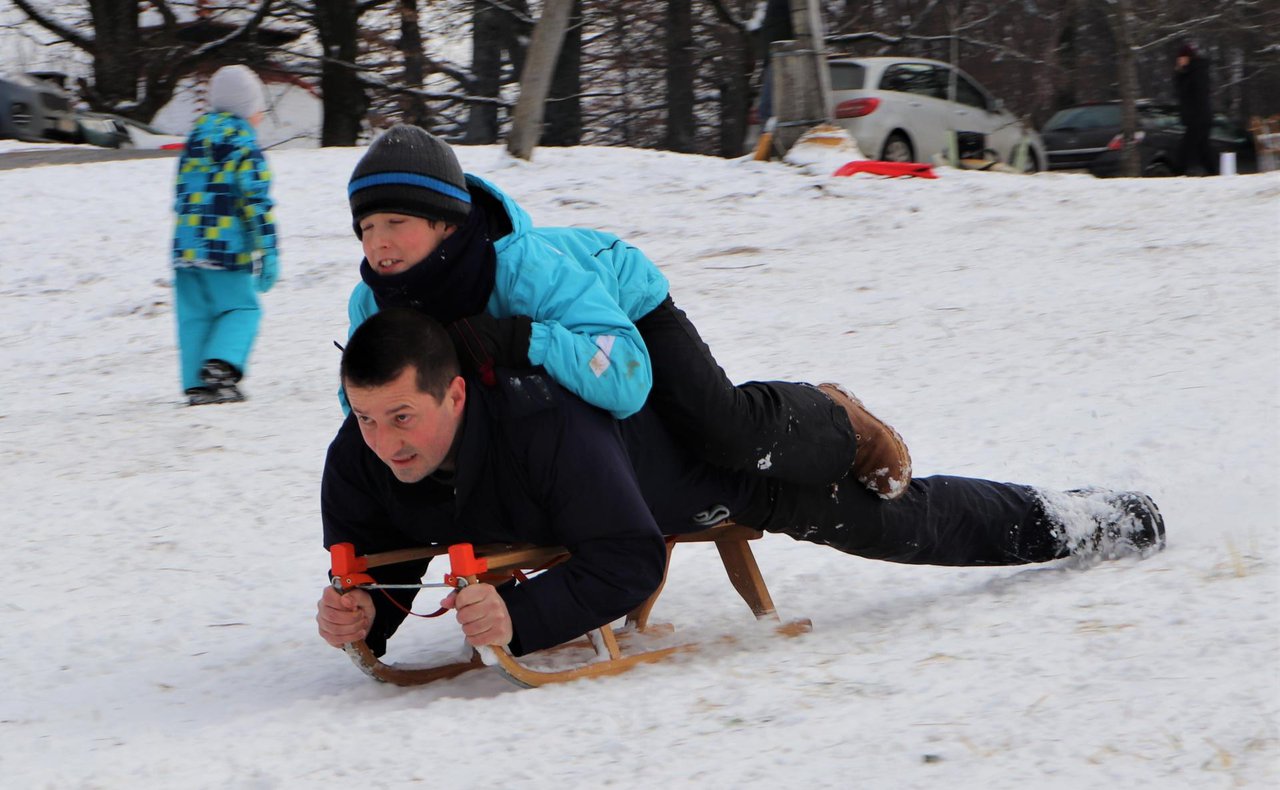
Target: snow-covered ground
(162, 562)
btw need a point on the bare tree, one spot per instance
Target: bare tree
(680, 76)
(563, 118)
(336, 24)
(732, 65)
(413, 108)
(496, 28)
(535, 79)
(136, 70)
(676, 74)
(1120, 15)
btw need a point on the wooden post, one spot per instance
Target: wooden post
(535, 79)
(806, 22)
(801, 80)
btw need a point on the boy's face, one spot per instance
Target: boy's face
(395, 243)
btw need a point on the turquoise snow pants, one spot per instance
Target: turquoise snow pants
(218, 316)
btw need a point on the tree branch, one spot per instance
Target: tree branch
(55, 27)
(201, 52)
(726, 16)
(170, 18)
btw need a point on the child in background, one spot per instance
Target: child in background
(224, 241)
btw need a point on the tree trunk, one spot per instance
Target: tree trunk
(116, 57)
(564, 108)
(344, 98)
(413, 109)
(535, 79)
(488, 31)
(680, 74)
(1067, 54)
(737, 63)
(1119, 16)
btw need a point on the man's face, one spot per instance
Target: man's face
(395, 243)
(409, 430)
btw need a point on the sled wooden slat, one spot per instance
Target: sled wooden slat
(732, 542)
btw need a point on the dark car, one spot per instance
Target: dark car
(35, 110)
(114, 131)
(1088, 137)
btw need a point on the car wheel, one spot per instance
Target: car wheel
(1158, 170)
(897, 149)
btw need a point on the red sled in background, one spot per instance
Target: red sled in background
(890, 169)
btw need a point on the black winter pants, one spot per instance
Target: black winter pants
(1195, 152)
(778, 429)
(939, 521)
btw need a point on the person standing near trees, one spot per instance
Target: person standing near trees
(1191, 79)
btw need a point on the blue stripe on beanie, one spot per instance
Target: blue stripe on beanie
(408, 179)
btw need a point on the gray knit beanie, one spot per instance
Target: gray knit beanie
(236, 89)
(409, 171)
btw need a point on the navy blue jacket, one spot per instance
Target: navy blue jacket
(535, 465)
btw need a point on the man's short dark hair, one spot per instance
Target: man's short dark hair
(393, 339)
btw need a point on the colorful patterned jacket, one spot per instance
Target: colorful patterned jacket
(223, 201)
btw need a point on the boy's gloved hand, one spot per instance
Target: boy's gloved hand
(268, 272)
(500, 342)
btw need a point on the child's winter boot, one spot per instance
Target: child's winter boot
(219, 379)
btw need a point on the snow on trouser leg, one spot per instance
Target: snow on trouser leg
(960, 521)
(1103, 524)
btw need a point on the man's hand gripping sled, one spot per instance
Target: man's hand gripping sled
(613, 651)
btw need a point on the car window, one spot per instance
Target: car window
(1226, 129)
(968, 93)
(918, 78)
(847, 76)
(1159, 117)
(1097, 116)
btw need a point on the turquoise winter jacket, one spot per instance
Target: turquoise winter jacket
(225, 217)
(584, 290)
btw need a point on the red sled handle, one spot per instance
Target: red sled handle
(349, 571)
(464, 564)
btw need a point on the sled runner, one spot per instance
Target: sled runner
(608, 651)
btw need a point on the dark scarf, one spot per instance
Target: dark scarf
(455, 281)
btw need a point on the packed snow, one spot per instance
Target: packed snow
(163, 561)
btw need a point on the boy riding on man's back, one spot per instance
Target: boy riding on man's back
(595, 313)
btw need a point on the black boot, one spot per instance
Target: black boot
(219, 379)
(1098, 523)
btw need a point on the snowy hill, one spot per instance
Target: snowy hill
(163, 562)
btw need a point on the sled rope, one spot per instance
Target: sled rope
(409, 611)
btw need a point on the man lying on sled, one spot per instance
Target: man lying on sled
(432, 457)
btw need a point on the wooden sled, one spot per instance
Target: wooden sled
(610, 652)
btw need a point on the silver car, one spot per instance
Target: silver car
(898, 110)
